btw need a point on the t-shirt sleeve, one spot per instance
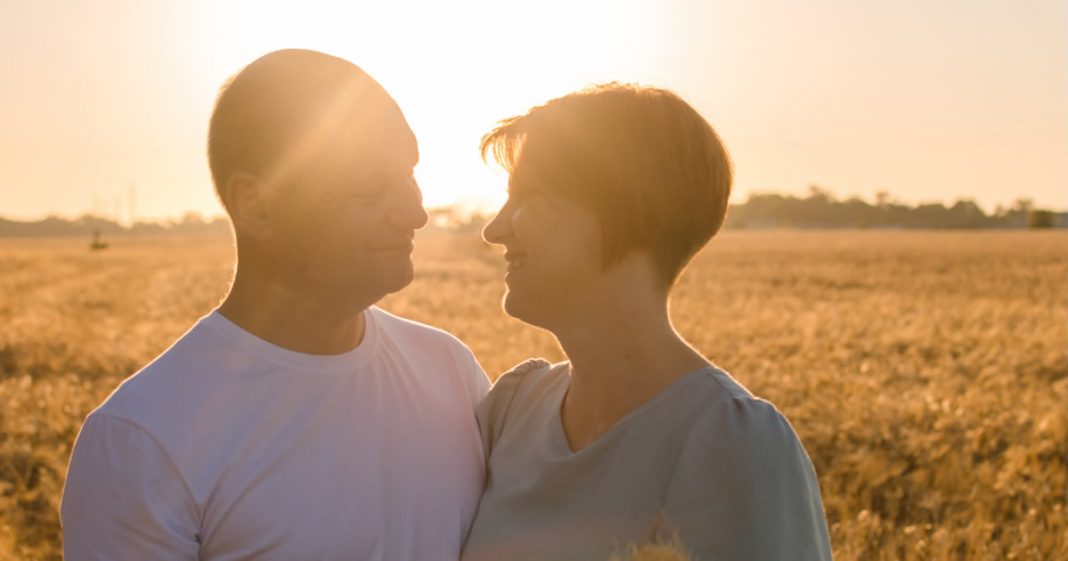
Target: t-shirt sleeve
(472, 376)
(123, 497)
(476, 376)
(493, 410)
(752, 494)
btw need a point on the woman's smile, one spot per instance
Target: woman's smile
(515, 259)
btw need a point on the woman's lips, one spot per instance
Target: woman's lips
(515, 259)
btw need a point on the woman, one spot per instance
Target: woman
(612, 190)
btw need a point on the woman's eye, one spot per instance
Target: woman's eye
(522, 196)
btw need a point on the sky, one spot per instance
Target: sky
(105, 104)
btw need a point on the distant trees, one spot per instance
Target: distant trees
(820, 209)
(92, 226)
(1041, 219)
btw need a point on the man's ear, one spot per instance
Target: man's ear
(248, 200)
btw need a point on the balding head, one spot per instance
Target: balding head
(289, 112)
(314, 163)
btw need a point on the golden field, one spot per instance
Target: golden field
(926, 372)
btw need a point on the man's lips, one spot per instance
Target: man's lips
(399, 245)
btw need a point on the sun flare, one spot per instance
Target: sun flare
(453, 73)
(926, 104)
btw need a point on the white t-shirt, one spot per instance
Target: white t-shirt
(227, 447)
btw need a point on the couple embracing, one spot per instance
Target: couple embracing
(298, 421)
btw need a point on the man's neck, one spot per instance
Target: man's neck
(294, 319)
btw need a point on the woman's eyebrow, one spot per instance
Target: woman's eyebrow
(521, 185)
(520, 189)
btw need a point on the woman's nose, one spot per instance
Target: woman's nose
(499, 228)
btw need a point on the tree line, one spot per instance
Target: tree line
(819, 208)
(90, 225)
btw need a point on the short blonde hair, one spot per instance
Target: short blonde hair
(641, 159)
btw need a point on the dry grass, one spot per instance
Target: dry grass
(926, 372)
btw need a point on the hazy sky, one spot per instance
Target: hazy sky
(931, 101)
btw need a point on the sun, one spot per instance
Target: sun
(455, 68)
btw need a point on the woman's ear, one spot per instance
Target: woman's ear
(248, 200)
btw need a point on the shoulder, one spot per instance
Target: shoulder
(148, 392)
(519, 386)
(405, 330)
(736, 436)
(434, 346)
(733, 415)
(744, 485)
(122, 453)
(117, 441)
(529, 368)
(405, 335)
(121, 480)
(524, 377)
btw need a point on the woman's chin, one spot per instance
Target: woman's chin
(517, 306)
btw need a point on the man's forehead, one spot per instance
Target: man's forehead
(389, 142)
(391, 156)
(361, 115)
(371, 136)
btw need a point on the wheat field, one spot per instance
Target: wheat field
(926, 372)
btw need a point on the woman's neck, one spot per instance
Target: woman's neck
(623, 352)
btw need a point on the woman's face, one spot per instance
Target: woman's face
(553, 250)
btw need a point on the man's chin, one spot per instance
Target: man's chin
(368, 289)
(399, 279)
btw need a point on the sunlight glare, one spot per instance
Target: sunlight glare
(455, 69)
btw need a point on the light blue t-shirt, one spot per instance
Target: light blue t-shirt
(722, 470)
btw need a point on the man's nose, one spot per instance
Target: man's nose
(408, 211)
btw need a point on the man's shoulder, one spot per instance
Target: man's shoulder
(156, 383)
(414, 331)
(433, 351)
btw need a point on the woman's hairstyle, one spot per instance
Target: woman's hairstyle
(641, 159)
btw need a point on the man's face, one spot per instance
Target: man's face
(343, 226)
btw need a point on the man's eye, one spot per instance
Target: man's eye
(371, 191)
(354, 193)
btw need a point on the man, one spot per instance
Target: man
(296, 421)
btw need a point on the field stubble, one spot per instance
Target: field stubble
(926, 372)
